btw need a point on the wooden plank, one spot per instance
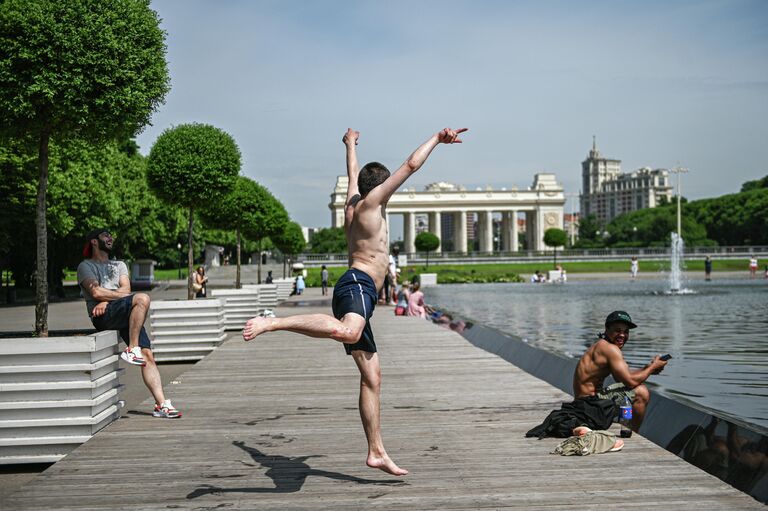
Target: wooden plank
(273, 424)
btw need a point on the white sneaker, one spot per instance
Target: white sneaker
(133, 356)
(166, 411)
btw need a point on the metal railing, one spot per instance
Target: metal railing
(564, 255)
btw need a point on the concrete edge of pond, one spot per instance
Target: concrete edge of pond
(723, 446)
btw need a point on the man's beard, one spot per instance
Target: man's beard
(103, 246)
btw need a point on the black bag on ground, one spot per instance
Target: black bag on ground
(593, 412)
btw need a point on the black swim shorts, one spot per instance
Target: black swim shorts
(356, 292)
(116, 317)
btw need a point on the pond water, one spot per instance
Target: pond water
(716, 332)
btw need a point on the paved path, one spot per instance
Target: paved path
(273, 424)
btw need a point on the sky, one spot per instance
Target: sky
(659, 84)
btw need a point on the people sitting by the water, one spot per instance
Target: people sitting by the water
(416, 301)
(401, 308)
(604, 358)
(538, 277)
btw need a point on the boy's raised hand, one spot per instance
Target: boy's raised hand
(350, 136)
(449, 136)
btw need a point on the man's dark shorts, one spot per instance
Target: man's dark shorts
(356, 292)
(116, 317)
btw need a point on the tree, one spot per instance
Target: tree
(290, 241)
(91, 69)
(238, 210)
(554, 238)
(267, 219)
(331, 240)
(426, 242)
(755, 185)
(193, 166)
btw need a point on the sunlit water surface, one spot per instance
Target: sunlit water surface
(717, 331)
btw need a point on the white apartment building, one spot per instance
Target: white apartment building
(607, 192)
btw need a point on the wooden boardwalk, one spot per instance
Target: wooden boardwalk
(273, 424)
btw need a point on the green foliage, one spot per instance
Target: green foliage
(652, 227)
(554, 237)
(426, 242)
(329, 241)
(734, 219)
(92, 68)
(589, 226)
(90, 186)
(192, 165)
(755, 185)
(291, 240)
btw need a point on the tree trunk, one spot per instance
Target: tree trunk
(259, 272)
(427, 259)
(190, 256)
(554, 249)
(41, 284)
(237, 278)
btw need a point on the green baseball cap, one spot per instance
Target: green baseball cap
(615, 316)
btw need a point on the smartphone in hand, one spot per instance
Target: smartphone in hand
(665, 357)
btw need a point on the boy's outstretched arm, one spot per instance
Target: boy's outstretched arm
(353, 168)
(384, 191)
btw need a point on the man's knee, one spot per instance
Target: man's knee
(149, 357)
(141, 299)
(642, 394)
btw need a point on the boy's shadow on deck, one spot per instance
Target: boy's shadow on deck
(288, 474)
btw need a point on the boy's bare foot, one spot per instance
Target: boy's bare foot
(255, 326)
(386, 464)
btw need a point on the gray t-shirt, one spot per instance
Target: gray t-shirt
(106, 274)
(324, 275)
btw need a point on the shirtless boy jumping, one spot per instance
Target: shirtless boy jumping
(356, 292)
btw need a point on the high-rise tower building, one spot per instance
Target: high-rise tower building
(607, 192)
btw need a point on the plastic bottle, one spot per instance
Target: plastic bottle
(625, 418)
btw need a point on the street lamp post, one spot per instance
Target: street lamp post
(678, 170)
(178, 247)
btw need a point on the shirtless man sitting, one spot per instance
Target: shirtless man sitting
(605, 358)
(356, 292)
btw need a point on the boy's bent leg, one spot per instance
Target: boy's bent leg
(346, 330)
(370, 414)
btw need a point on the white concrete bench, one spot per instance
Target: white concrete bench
(184, 330)
(56, 393)
(240, 305)
(267, 295)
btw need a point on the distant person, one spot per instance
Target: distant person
(401, 306)
(199, 282)
(604, 358)
(390, 282)
(300, 284)
(355, 293)
(538, 277)
(324, 280)
(633, 267)
(752, 267)
(766, 271)
(416, 305)
(708, 268)
(111, 306)
(269, 278)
